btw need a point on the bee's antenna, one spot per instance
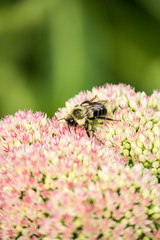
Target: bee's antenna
(67, 123)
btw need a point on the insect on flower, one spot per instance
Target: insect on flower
(85, 112)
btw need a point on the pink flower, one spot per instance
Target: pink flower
(61, 185)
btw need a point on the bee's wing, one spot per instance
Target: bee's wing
(90, 108)
(85, 114)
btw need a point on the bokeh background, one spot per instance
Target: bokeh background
(52, 49)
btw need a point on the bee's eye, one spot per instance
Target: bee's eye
(71, 121)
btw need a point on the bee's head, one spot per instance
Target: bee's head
(70, 122)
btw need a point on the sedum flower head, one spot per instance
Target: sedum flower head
(61, 185)
(137, 135)
(74, 188)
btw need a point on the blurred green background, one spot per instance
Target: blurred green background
(52, 49)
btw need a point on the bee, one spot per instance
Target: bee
(85, 112)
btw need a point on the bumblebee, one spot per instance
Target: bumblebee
(85, 112)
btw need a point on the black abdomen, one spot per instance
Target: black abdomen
(99, 110)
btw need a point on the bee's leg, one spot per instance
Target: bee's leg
(75, 125)
(93, 98)
(91, 118)
(110, 119)
(69, 128)
(100, 117)
(86, 127)
(87, 101)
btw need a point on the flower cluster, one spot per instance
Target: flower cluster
(73, 188)
(24, 128)
(61, 185)
(137, 135)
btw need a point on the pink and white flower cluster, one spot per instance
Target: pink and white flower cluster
(60, 185)
(137, 135)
